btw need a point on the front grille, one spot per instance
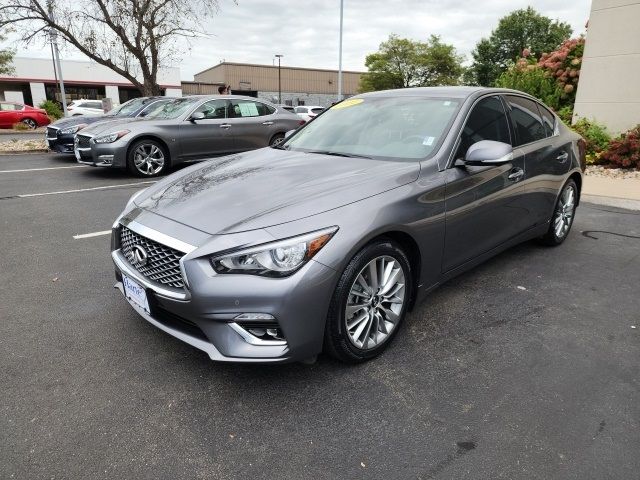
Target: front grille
(52, 133)
(83, 141)
(163, 263)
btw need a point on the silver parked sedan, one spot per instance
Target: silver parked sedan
(185, 129)
(326, 241)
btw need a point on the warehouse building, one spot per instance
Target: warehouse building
(34, 81)
(299, 86)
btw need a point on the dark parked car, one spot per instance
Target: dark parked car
(12, 113)
(325, 241)
(59, 135)
(186, 129)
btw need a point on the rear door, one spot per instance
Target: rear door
(547, 158)
(209, 136)
(253, 123)
(9, 114)
(484, 204)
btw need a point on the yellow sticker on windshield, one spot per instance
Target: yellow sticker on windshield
(348, 103)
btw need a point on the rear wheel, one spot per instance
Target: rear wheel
(147, 158)
(369, 303)
(276, 140)
(30, 123)
(563, 215)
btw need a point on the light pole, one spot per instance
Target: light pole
(278, 56)
(56, 59)
(340, 53)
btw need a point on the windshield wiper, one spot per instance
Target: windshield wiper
(338, 154)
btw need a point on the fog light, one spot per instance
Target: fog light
(108, 159)
(255, 316)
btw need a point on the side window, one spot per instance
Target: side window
(487, 121)
(213, 109)
(548, 119)
(526, 120)
(97, 105)
(247, 108)
(301, 109)
(9, 107)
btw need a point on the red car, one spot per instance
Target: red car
(12, 113)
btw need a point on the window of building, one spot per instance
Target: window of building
(526, 119)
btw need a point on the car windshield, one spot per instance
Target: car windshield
(172, 109)
(399, 128)
(128, 108)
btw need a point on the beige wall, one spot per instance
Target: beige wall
(609, 88)
(265, 78)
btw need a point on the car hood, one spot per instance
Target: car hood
(77, 120)
(108, 125)
(267, 187)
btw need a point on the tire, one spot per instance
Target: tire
(563, 215)
(277, 139)
(147, 158)
(342, 339)
(32, 124)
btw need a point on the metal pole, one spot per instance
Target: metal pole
(56, 59)
(55, 70)
(279, 80)
(340, 53)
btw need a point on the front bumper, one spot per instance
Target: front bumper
(204, 314)
(103, 154)
(60, 144)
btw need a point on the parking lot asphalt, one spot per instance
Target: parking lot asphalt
(525, 367)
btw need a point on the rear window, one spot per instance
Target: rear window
(548, 119)
(526, 120)
(301, 109)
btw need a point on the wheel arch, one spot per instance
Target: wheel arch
(155, 139)
(577, 177)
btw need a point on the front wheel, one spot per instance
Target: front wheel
(369, 303)
(276, 140)
(563, 215)
(147, 158)
(30, 123)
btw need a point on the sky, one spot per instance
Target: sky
(306, 32)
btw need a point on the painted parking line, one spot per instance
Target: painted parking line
(41, 169)
(78, 190)
(90, 235)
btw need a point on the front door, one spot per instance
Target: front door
(9, 114)
(485, 204)
(209, 136)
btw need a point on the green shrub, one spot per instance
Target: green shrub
(52, 108)
(624, 151)
(532, 79)
(566, 114)
(21, 126)
(596, 136)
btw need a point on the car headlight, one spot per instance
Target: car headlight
(110, 137)
(276, 259)
(70, 130)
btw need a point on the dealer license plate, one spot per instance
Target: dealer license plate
(136, 294)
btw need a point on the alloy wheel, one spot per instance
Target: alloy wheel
(30, 123)
(564, 212)
(148, 159)
(375, 302)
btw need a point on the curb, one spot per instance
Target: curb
(625, 203)
(23, 152)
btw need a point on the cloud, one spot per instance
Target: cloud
(306, 31)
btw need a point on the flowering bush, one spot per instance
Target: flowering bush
(596, 137)
(624, 151)
(564, 65)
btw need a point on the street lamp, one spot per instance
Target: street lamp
(278, 56)
(340, 53)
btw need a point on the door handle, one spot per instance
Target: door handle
(516, 174)
(225, 125)
(562, 157)
(267, 123)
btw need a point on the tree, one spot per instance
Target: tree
(6, 57)
(402, 63)
(134, 38)
(521, 29)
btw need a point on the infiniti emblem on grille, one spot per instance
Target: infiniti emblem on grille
(139, 256)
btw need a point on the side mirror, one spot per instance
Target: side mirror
(488, 152)
(196, 116)
(289, 133)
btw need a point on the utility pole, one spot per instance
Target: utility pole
(279, 80)
(56, 58)
(340, 53)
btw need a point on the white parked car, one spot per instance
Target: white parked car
(308, 112)
(85, 107)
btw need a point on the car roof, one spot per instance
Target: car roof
(461, 92)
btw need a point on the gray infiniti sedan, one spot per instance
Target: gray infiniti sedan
(325, 241)
(185, 129)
